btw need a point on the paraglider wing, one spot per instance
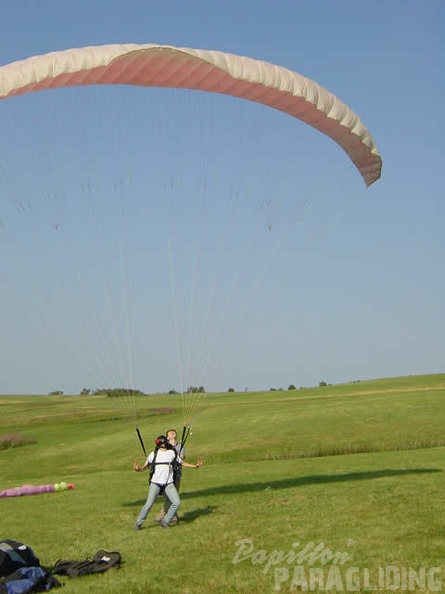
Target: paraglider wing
(212, 71)
(35, 489)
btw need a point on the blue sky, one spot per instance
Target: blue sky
(137, 220)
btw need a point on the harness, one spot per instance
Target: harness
(173, 464)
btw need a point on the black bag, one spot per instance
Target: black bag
(14, 555)
(102, 561)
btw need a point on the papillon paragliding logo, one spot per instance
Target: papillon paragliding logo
(214, 72)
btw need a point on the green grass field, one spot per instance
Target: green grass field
(356, 470)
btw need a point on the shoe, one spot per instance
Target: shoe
(137, 526)
(163, 525)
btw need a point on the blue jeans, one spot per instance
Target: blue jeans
(167, 502)
(153, 492)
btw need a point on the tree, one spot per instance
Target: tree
(85, 391)
(230, 390)
(322, 384)
(195, 390)
(118, 392)
(292, 387)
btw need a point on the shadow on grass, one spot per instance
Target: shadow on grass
(316, 479)
(192, 515)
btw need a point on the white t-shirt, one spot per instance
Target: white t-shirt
(163, 474)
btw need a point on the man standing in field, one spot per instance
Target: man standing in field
(172, 437)
(161, 462)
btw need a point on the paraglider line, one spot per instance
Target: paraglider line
(185, 434)
(141, 441)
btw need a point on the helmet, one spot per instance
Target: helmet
(162, 441)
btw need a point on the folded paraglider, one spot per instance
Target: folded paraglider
(35, 489)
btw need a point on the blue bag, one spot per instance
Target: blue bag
(28, 580)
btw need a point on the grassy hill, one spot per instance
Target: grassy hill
(356, 468)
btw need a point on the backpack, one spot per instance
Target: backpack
(14, 555)
(28, 580)
(102, 561)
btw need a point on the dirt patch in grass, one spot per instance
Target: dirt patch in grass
(14, 440)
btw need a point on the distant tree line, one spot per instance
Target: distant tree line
(115, 392)
(120, 392)
(195, 390)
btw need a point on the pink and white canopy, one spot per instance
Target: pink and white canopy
(213, 71)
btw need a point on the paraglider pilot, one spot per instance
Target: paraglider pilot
(163, 463)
